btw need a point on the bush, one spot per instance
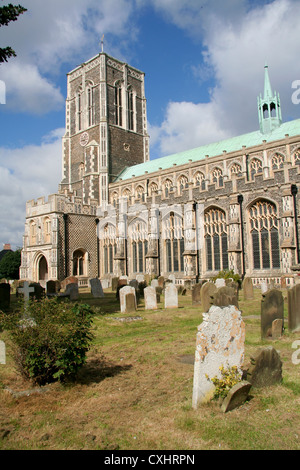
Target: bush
(49, 339)
(226, 274)
(229, 378)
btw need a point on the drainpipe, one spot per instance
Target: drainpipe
(240, 201)
(294, 191)
(65, 216)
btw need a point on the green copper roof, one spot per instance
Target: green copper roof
(212, 150)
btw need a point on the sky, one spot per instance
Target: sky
(204, 64)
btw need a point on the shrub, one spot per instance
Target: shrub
(229, 377)
(50, 339)
(228, 274)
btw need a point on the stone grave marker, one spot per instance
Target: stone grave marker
(114, 283)
(154, 283)
(196, 293)
(26, 290)
(105, 283)
(220, 342)
(277, 328)
(72, 291)
(172, 278)
(294, 308)
(69, 280)
(96, 288)
(264, 287)
(271, 309)
(237, 395)
(4, 296)
(2, 353)
(248, 288)
(207, 291)
(150, 296)
(220, 282)
(127, 302)
(52, 287)
(224, 297)
(265, 368)
(171, 296)
(140, 278)
(161, 281)
(134, 283)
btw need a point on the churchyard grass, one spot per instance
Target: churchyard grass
(135, 391)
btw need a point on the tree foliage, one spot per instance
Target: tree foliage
(9, 13)
(10, 264)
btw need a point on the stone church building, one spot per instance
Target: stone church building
(227, 205)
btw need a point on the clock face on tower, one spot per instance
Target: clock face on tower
(84, 138)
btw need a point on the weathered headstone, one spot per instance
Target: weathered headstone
(2, 353)
(237, 395)
(220, 282)
(207, 291)
(171, 296)
(4, 296)
(150, 298)
(277, 328)
(134, 283)
(140, 278)
(114, 283)
(248, 288)
(69, 280)
(96, 288)
(220, 342)
(224, 297)
(39, 291)
(265, 368)
(154, 283)
(271, 309)
(127, 302)
(294, 308)
(264, 287)
(196, 293)
(172, 278)
(52, 287)
(72, 291)
(161, 281)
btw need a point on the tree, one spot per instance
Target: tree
(9, 265)
(9, 13)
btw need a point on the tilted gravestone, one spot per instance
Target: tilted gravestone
(4, 296)
(72, 291)
(271, 309)
(265, 368)
(220, 342)
(224, 297)
(52, 287)
(171, 296)
(248, 288)
(150, 297)
(96, 288)
(196, 293)
(127, 302)
(207, 291)
(294, 308)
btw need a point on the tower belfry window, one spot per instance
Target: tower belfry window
(90, 106)
(130, 108)
(118, 104)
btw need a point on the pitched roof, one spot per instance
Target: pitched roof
(292, 128)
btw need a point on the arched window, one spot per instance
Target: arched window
(81, 170)
(174, 243)
(32, 233)
(47, 230)
(118, 104)
(79, 108)
(138, 234)
(217, 177)
(236, 170)
(183, 183)
(90, 100)
(80, 263)
(255, 167)
(167, 187)
(114, 198)
(216, 244)
(153, 188)
(109, 248)
(264, 234)
(140, 193)
(297, 157)
(130, 108)
(277, 161)
(199, 180)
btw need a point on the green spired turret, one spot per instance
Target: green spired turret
(269, 109)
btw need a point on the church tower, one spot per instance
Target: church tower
(269, 109)
(106, 126)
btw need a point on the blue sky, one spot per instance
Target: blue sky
(204, 63)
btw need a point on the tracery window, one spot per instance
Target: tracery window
(174, 243)
(114, 198)
(255, 167)
(199, 180)
(130, 108)
(32, 233)
(217, 177)
(265, 236)
(153, 188)
(109, 248)
(236, 170)
(216, 243)
(183, 183)
(90, 105)
(79, 108)
(297, 157)
(277, 161)
(138, 234)
(47, 230)
(118, 104)
(167, 187)
(140, 193)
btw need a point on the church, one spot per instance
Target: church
(229, 205)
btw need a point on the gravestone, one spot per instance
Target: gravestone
(96, 288)
(237, 395)
(69, 280)
(150, 297)
(72, 291)
(220, 342)
(196, 293)
(127, 302)
(207, 291)
(154, 283)
(264, 287)
(248, 288)
(161, 281)
(140, 278)
(105, 283)
(277, 328)
(134, 283)
(2, 353)
(172, 278)
(265, 368)
(294, 308)
(4, 296)
(25, 290)
(114, 283)
(220, 282)
(52, 287)
(171, 296)
(271, 309)
(39, 291)
(224, 297)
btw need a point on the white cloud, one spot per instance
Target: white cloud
(25, 174)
